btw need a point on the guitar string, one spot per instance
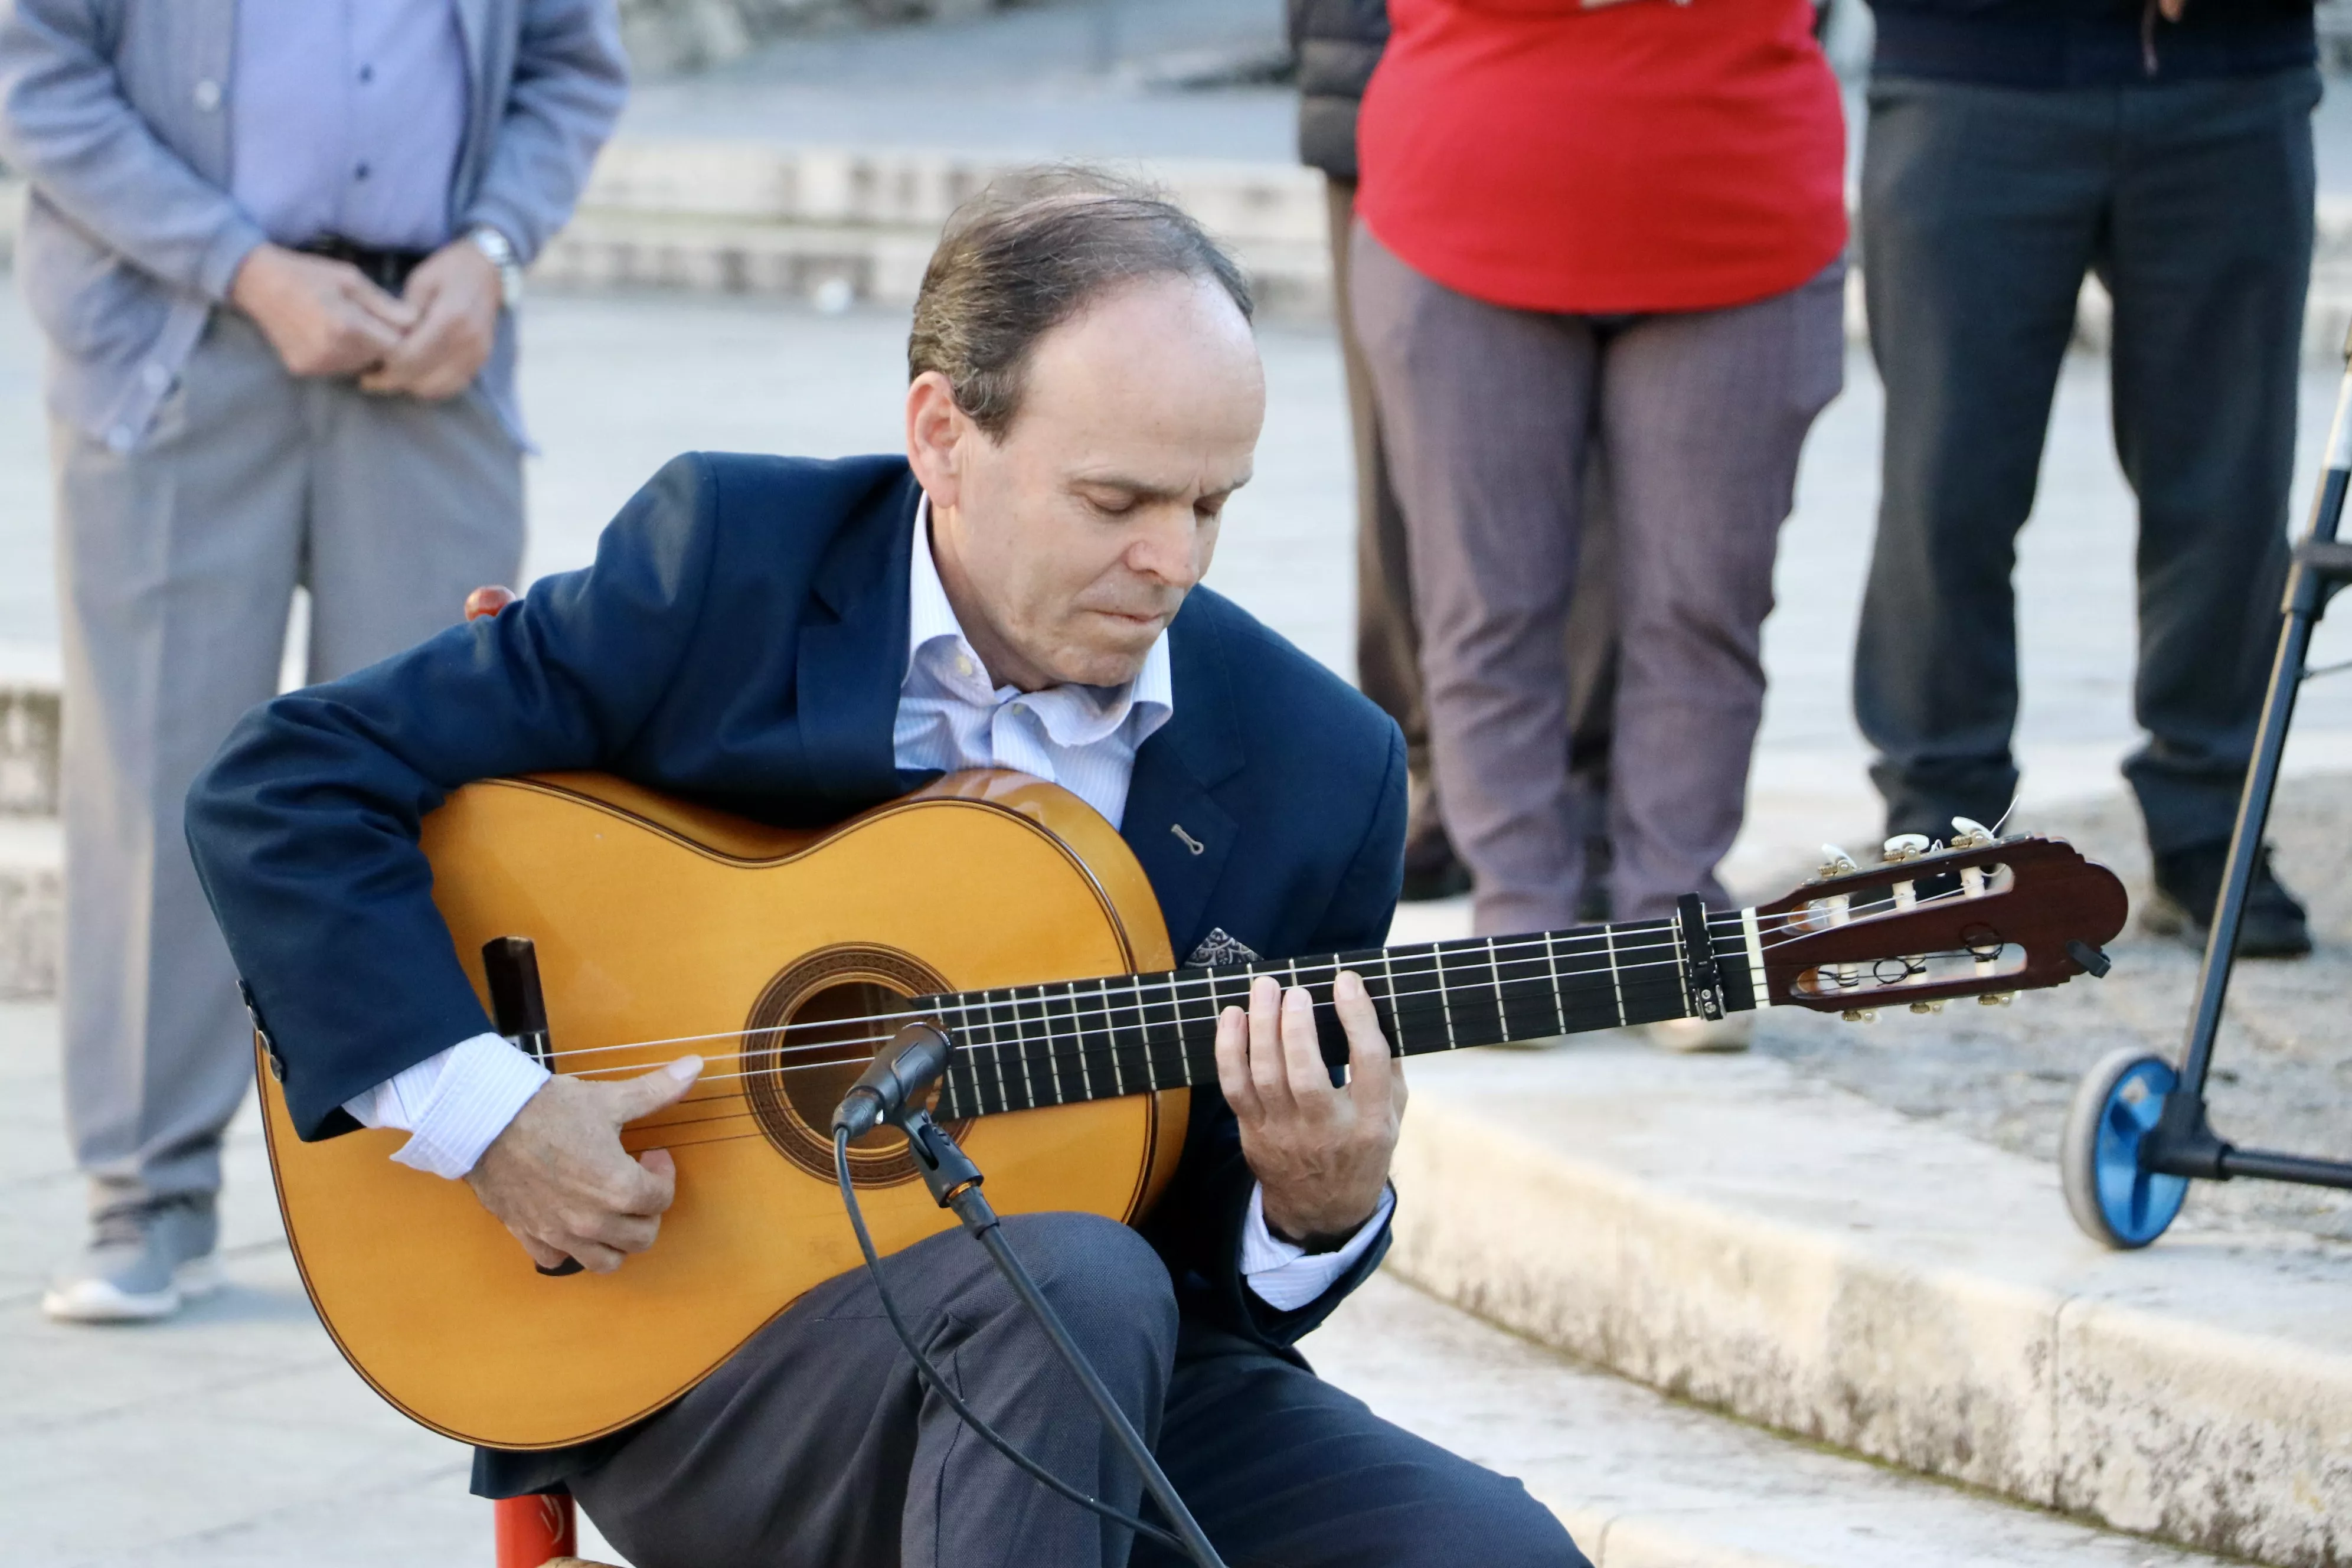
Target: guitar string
(1107, 1008)
(1548, 945)
(1097, 1011)
(1054, 1057)
(1078, 1024)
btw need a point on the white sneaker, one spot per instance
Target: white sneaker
(1730, 1033)
(145, 1262)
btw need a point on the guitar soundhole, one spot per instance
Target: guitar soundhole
(812, 1032)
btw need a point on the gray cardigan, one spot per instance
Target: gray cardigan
(116, 109)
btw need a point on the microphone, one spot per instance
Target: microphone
(902, 1070)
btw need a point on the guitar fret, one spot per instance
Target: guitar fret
(1551, 961)
(1616, 980)
(1444, 994)
(1021, 1016)
(1118, 1076)
(1494, 979)
(995, 1052)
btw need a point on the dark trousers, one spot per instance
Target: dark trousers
(1981, 210)
(817, 1444)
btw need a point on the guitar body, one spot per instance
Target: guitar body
(656, 922)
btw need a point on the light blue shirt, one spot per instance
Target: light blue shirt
(1083, 738)
(950, 716)
(346, 118)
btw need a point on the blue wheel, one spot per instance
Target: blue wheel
(2116, 1202)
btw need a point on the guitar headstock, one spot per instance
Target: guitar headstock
(1994, 917)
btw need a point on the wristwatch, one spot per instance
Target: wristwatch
(495, 246)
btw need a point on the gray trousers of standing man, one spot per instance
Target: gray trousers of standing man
(1982, 207)
(177, 563)
(1701, 415)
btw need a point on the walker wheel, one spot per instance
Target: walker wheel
(2118, 1203)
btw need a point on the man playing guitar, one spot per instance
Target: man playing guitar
(796, 641)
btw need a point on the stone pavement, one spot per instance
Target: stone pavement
(236, 1436)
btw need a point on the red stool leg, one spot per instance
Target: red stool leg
(530, 1530)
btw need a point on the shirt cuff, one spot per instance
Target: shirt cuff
(1285, 1275)
(453, 1105)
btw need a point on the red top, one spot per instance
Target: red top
(1648, 155)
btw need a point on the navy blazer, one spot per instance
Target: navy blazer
(740, 640)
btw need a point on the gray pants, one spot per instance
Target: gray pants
(816, 1442)
(1981, 209)
(1702, 417)
(176, 565)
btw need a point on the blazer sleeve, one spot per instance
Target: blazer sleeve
(570, 79)
(304, 827)
(65, 122)
(1201, 1238)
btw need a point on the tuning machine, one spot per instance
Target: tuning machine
(1860, 1015)
(1970, 834)
(1905, 846)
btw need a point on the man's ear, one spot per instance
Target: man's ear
(936, 432)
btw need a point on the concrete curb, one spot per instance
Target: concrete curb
(1804, 1259)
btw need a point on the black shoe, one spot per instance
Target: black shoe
(2189, 889)
(1431, 869)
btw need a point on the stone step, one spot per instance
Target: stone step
(848, 224)
(1792, 1255)
(1643, 1480)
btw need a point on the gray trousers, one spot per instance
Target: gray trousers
(1387, 646)
(816, 1442)
(1702, 417)
(176, 565)
(1981, 209)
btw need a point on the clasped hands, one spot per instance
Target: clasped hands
(325, 318)
(559, 1179)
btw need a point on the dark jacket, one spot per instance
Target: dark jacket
(740, 640)
(1337, 43)
(2088, 43)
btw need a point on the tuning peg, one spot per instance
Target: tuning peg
(1996, 999)
(1860, 1015)
(1836, 862)
(1907, 847)
(1926, 1007)
(1970, 834)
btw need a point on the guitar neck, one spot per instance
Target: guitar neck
(1028, 1046)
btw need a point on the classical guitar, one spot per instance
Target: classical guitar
(1015, 918)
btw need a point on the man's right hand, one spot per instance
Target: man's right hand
(324, 318)
(559, 1179)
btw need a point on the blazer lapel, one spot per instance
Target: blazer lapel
(853, 655)
(1173, 823)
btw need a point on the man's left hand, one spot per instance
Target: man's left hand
(456, 292)
(1321, 1154)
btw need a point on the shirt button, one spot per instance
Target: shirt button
(367, 74)
(157, 378)
(964, 664)
(121, 439)
(360, 173)
(208, 95)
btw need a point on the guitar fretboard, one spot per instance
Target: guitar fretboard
(1028, 1046)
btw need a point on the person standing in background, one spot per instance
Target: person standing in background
(2013, 147)
(274, 248)
(1620, 228)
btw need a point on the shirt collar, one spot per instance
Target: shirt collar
(1093, 713)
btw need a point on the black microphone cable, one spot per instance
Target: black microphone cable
(939, 1385)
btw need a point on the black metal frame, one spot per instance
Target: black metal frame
(2183, 1142)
